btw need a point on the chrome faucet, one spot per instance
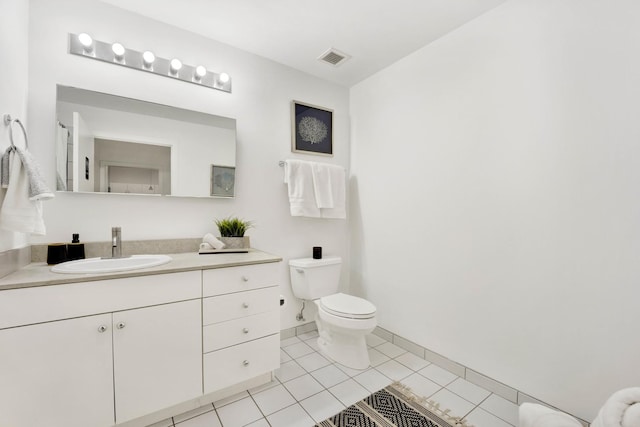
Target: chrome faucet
(116, 242)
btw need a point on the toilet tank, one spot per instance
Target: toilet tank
(315, 278)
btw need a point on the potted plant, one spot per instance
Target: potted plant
(232, 231)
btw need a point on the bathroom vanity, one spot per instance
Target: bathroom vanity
(136, 347)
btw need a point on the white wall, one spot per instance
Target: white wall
(14, 36)
(262, 92)
(496, 193)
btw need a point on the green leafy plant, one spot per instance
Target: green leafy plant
(233, 227)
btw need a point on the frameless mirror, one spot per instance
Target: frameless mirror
(110, 144)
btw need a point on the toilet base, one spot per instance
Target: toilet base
(351, 353)
(343, 340)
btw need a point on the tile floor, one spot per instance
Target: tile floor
(308, 388)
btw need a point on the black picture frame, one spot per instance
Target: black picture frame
(311, 129)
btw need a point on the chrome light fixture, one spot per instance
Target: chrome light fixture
(115, 53)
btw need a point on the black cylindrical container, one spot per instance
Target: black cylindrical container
(56, 253)
(317, 252)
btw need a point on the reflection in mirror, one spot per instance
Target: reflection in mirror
(110, 144)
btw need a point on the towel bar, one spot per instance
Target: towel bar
(8, 121)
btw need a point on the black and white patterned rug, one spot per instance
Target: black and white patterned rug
(393, 406)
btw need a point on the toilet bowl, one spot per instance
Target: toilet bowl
(343, 320)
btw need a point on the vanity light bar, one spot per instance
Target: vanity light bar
(115, 53)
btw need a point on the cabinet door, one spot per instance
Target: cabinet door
(57, 374)
(157, 357)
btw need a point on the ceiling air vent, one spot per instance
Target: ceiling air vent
(334, 57)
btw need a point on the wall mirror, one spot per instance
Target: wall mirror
(110, 144)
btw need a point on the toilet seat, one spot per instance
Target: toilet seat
(348, 306)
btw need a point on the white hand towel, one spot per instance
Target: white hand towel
(38, 189)
(322, 184)
(212, 241)
(5, 168)
(534, 415)
(18, 212)
(299, 178)
(205, 247)
(622, 409)
(330, 190)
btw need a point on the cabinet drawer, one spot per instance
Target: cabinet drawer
(235, 279)
(232, 365)
(240, 304)
(56, 302)
(241, 330)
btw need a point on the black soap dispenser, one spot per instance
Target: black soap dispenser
(75, 249)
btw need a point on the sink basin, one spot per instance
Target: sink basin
(110, 265)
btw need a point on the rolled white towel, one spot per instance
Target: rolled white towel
(622, 409)
(205, 247)
(534, 415)
(212, 241)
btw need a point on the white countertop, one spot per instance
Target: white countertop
(39, 273)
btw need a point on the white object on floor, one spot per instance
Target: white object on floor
(622, 409)
(534, 415)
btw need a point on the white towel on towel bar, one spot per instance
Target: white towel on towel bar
(316, 190)
(299, 179)
(18, 212)
(329, 182)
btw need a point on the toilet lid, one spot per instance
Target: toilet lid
(348, 306)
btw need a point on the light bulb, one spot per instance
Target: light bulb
(147, 58)
(175, 65)
(86, 41)
(118, 51)
(224, 77)
(200, 73)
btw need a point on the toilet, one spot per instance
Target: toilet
(343, 320)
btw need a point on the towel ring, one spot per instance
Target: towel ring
(10, 122)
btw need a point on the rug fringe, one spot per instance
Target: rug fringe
(431, 406)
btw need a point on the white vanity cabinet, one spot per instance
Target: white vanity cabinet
(135, 350)
(157, 359)
(145, 349)
(57, 374)
(241, 324)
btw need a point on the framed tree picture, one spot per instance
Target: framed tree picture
(312, 129)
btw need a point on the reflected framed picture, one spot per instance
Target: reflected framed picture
(223, 181)
(311, 129)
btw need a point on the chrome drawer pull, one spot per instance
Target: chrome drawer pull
(245, 279)
(102, 328)
(120, 325)
(245, 363)
(245, 330)
(245, 305)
